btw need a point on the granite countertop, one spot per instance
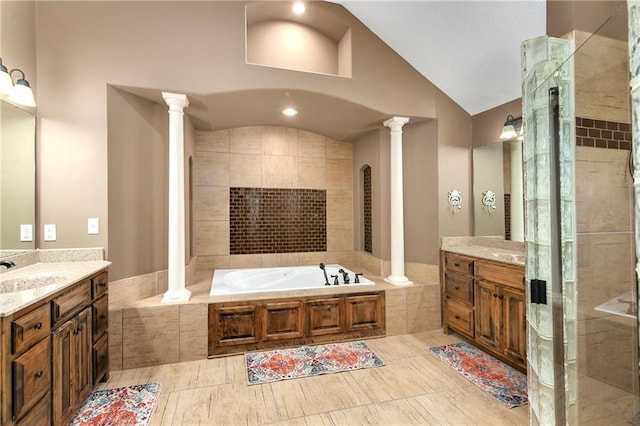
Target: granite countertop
(29, 284)
(485, 248)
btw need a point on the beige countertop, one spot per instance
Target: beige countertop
(23, 286)
(486, 248)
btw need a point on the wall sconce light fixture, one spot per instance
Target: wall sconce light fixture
(454, 198)
(20, 92)
(489, 201)
(512, 128)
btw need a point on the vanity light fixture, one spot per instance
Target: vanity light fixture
(20, 92)
(299, 8)
(512, 128)
(289, 112)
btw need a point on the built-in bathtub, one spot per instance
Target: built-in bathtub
(253, 280)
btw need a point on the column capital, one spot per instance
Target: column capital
(396, 123)
(175, 99)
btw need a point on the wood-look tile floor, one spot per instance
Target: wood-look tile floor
(412, 387)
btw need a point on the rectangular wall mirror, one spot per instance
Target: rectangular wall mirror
(17, 180)
(497, 190)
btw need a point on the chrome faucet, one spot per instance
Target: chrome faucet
(7, 263)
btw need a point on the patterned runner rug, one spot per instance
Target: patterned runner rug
(498, 379)
(304, 361)
(130, 406)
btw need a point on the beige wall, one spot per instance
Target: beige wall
(564, 16)
(270, 157)
(454, 167)
(194, 47)
(18, 38)
(138, 184)
(292, 46)
(487, 125)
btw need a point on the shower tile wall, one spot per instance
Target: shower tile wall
(607, 343)
(270, 157)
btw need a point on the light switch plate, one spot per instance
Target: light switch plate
(93, 226)
(49, 232)
(26, 232)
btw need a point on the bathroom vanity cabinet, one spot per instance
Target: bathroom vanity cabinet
(484, 301)
(236, 327)
(49, 353)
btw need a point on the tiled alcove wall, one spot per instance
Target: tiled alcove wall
(270, 157)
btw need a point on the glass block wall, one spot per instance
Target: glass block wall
(633, 8)
(547, 63)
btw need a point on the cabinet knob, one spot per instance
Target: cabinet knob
(103, 356)
(457, 317)
(456, 263)
(103, 317)
(495, 295)
(80, 327)
(39, 374)
(102, 284)
(38, 326)
(501, 296)
(457, 287)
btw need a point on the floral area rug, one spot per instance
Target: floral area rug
(304, 361)
(131, 405)
(498, 379)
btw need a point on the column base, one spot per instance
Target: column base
(176, 296)
(398, 280)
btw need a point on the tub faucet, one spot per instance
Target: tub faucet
(7, 263)
(345, 276)
(326, 279)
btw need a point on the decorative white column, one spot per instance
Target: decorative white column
(177, 291)
(397, 204)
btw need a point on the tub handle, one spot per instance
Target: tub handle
(357, 279)
(335, 279)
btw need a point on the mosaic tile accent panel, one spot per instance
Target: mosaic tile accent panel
(271, 220)
(366, 207)
(603, 134)
(507, 216)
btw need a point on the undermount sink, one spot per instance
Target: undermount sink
(510, 257)
(29, 282)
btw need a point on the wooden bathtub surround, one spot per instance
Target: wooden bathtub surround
(484, 301)
(54, 351)
(236, 327)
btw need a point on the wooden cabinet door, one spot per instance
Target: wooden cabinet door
(83, 342)
(63, 367)
(364, 312)
(234, 325)
(283, 320)
(514, 338)
(325, 316)
(487, 314)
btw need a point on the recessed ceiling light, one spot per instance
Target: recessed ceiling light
(299, 8)
(289, 112)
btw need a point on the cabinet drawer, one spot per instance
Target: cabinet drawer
(100, 358)
(100, 315)
(40, 415)
(31, 377)
(460, 286)
(99, 285)
(459, 317)
(458, 263)
(30, 328)
(70, 302)
(509, 275)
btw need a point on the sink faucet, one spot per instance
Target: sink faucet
(7, 263)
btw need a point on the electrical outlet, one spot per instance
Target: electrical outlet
(93, 226)
(26, 232)
(49, 232)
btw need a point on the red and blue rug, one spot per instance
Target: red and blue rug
(305, 361)
(127, 406)
(503, 382)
